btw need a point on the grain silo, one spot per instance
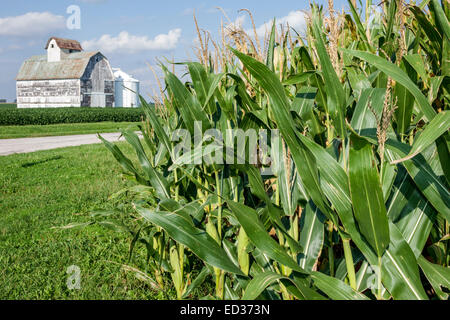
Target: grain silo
(126, 90)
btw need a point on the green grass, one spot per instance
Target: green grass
(9, 132)
(48, 189)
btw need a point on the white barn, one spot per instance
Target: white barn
(66, 76)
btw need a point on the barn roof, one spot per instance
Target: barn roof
(65, 44)
(71, 66)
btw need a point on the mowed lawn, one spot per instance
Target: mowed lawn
(55, 188)
(29, 131)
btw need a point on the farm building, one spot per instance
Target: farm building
(126, 90)
(66, 76)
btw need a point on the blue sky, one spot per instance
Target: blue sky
(129, 33)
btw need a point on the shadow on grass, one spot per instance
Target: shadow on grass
(30, 164)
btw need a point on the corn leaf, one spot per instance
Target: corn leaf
(311, 236)
(437, 127)
(198, 241)
(367, 195)
(263, 280)
(188, 105)
(157, 181)
(336, 101)
(438, 276)
(400, 272)
(398, 75)
(156, 124)
(248, 218)
(336, 289)
(303, 158)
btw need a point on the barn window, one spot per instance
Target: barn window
(52, 46)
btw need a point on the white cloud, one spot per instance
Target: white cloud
(31, 24)
(295, 19)
(239, 22)
(128, 43)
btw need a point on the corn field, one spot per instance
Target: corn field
(356, 204)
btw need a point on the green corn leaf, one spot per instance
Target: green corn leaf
(405, 100)
(387, 179)
(263, 280)
(242, 247)
(248, 218)
(177, 274)
(441, 18)
(188, 105)
(335, 185)
(311, 236)
(437, 127)
(198, 241)
(421, 172)
(198, 281)
(359, 26)
(415, 222)
(391, 19)
(125, 163)
(367, 195)
(197, 155)
(415, 61)
(303, 158)
(205, 85)
(398, 75)
(411, 212)
(435, 85)
(283, 176)
(336, 101)
(444, 156)
(400, 272)
(405, 104)
(299, 78)
(336, 289)
(438, 276)
(247, 102)
(214, 81)
(157, 181)
(271, 49)
(257, 188)
(418, 167)
(199, 80)
(189, 211)
(364, 121)
(156, 125)
(428, 28)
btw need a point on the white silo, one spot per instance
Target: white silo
(126, 90)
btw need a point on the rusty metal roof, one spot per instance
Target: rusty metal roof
(65, 44)
(71, 66)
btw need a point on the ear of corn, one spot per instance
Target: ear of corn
(358, 203)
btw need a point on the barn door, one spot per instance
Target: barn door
(98, 99)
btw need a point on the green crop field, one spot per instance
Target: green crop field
(356, 205)
(45, 116)
(8, 105)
